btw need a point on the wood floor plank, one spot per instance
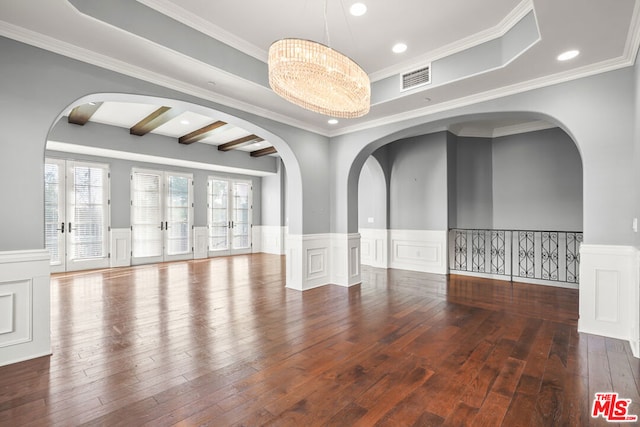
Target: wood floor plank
(221, 341)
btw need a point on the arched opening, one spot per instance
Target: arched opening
(475, 179)
(111, 142)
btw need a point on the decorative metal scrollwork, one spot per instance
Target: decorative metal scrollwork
(526, 254)
(497, 251)
(478, 250)
(549, 255)
(460, 250)
(546, 255)
(573, 257)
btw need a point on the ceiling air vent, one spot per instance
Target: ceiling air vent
(415, 78)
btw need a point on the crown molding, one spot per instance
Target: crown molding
(103, 61)
(172, 10)
(480, 132)
(590, 70)
(75, 52)
(519, 12)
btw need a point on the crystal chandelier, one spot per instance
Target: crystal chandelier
(318, 78)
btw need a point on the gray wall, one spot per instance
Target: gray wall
(418, 187)
(474, 183)
(36, 86)
(537, 182)
(273, 198)
(524, 181)
(372, 196)
(598, 112)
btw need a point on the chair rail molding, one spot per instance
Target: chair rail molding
(25, 300)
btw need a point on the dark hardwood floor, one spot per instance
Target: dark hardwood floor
(221, 342)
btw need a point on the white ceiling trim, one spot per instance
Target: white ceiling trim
(426, 88)
(202, 25)
(85, 55)
(601, 67)
(483, 132)
(65, 147)
(522, 128)
(194, 21)
(477, 39)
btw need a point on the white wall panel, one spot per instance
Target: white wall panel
(418, 250)
(374, 244)
(609, 292)
(120, 247)
(24, 305)
(272, 239)
(201, 242)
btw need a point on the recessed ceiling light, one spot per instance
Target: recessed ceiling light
(332, 121)
(92, 103)
(399, 48)
(184, 122)
(257, 144)
(570, 54)
(358, 9)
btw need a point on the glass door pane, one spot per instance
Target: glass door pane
(218, 215)
(146, 215)
(87, 216)
(178, 215)
(241, 211)
(54, 220)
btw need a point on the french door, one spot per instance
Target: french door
(229, 205)
(76, 214)
(161, 216)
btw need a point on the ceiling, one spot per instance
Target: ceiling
(217, 50)
(181, 124)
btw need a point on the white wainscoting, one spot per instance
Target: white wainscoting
(272, 239)
(418, 250)
(315, 260)
(374, 247)
(609, 301)
(24, 305)
(200, 242)
(345, 264)
(120, 247)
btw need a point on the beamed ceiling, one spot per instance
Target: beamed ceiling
(185, 126)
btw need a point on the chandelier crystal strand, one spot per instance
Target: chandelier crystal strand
(318, 78)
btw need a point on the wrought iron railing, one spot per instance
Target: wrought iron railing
(544, 255)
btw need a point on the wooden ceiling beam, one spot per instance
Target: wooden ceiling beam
(200, 134)
(82, 113)
(154, 120)
(232, 144)
(264, 152)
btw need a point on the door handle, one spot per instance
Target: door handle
(161, 226)
(69, 227)
(166, 225)
(62, 227)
